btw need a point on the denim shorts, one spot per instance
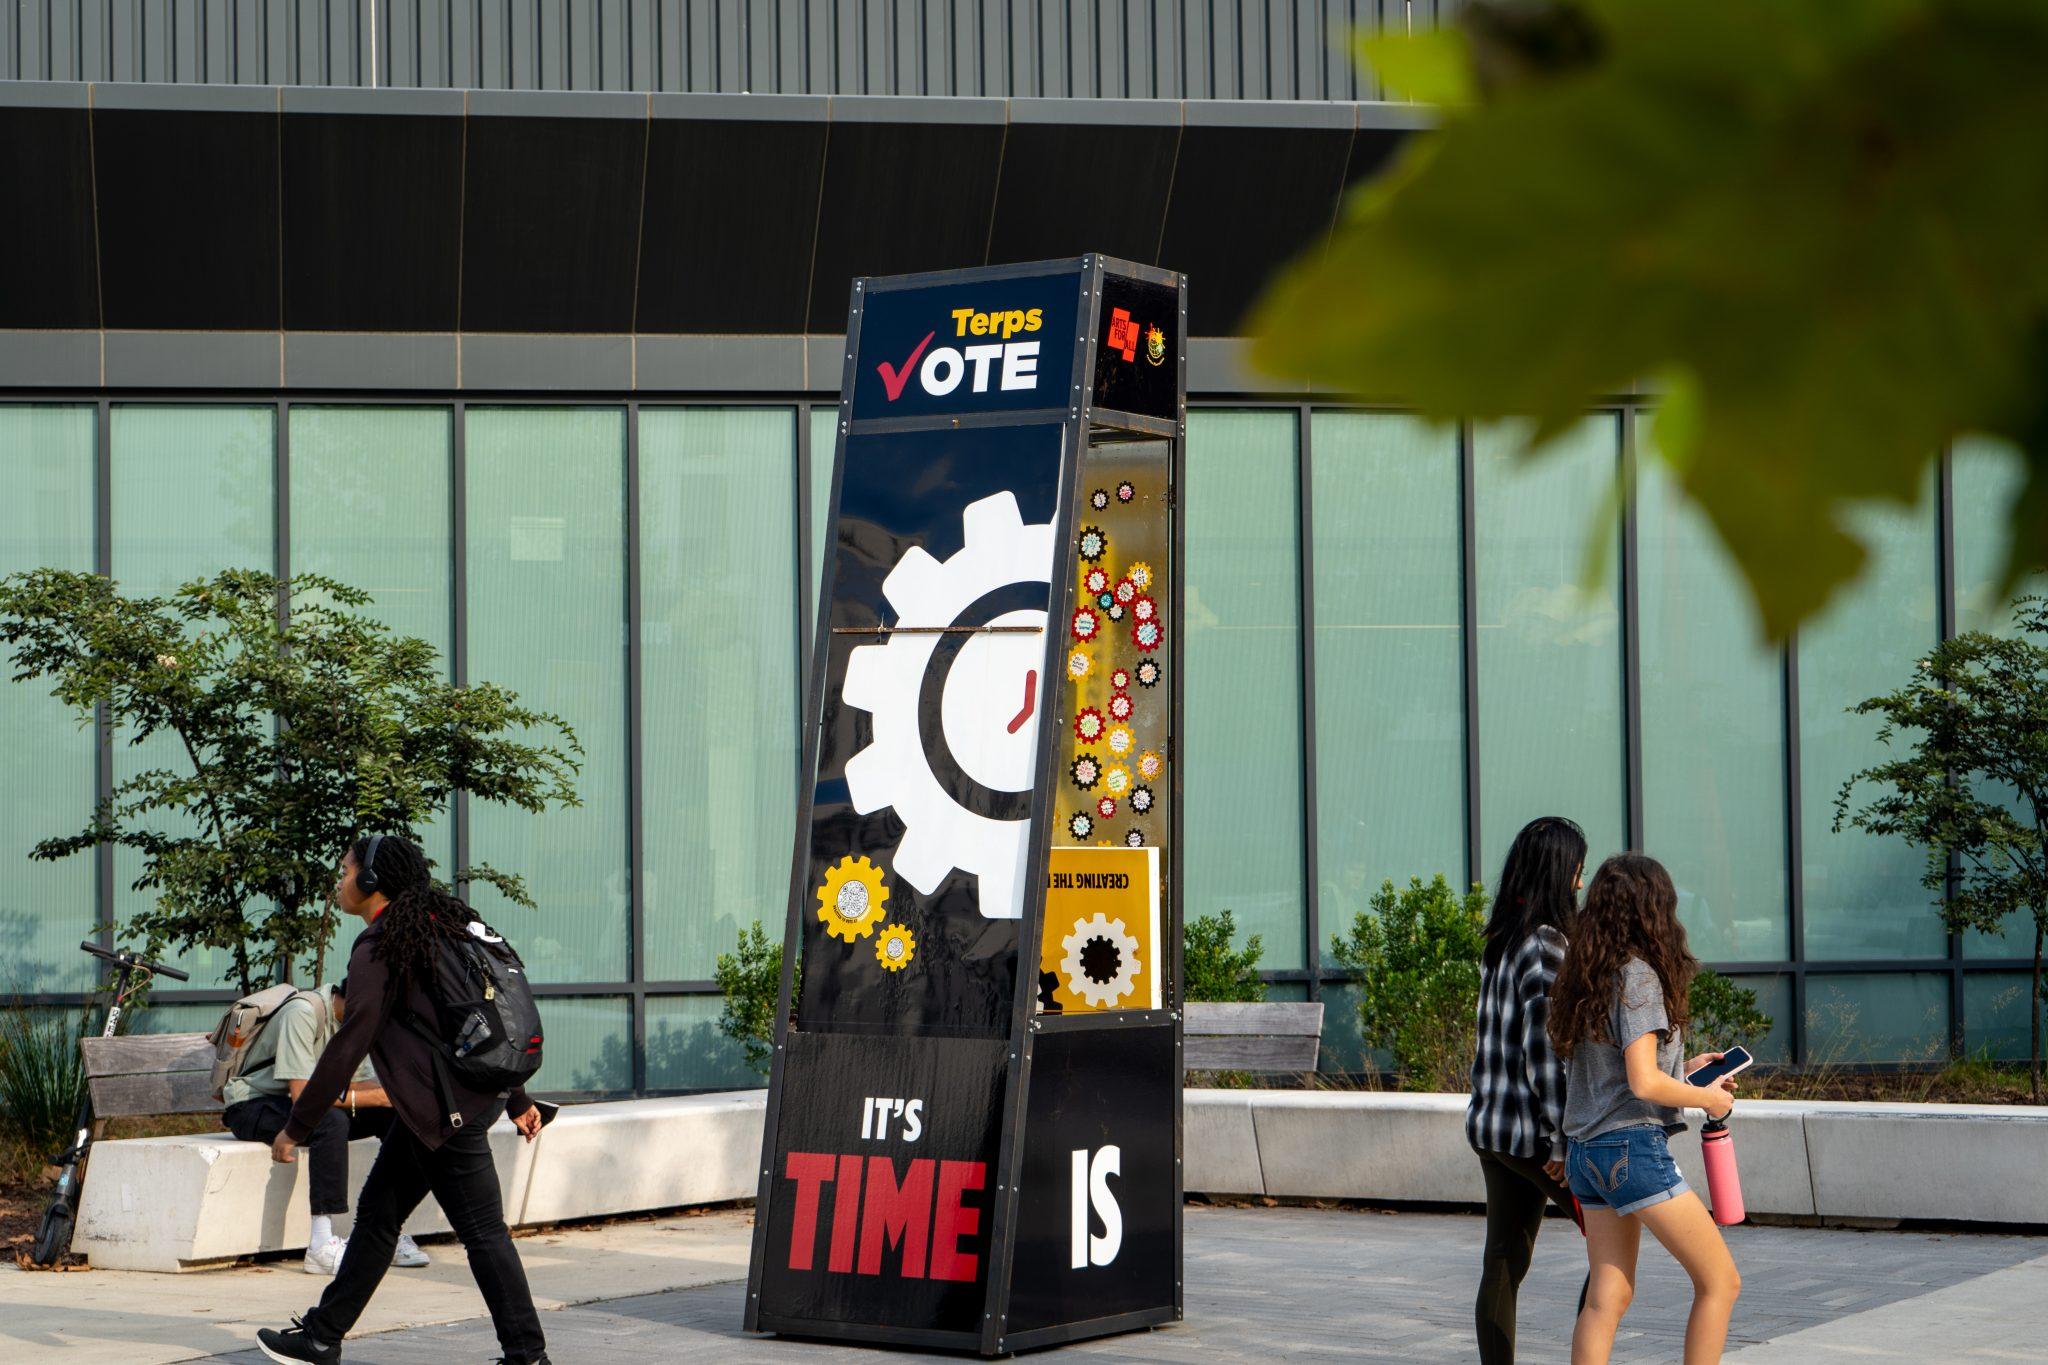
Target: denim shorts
(1623, 1170)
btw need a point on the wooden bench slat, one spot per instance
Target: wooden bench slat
(1244, 1053)
(1277, 1017)
(146, 1053)
(169, 1092)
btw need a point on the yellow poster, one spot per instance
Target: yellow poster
(1101, 944)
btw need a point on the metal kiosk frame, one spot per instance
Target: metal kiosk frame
(1042, 1087)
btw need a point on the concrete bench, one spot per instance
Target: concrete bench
(1276, 1035)
(1839, 1161)
(181, 1203)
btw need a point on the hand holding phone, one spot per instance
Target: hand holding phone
(1728, 1063)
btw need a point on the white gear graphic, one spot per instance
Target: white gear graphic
(884, 680)
(1100, 994)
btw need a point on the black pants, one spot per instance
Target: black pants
(459, 1174)
(1516, 1190)
(261, 1119)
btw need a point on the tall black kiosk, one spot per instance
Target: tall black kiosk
(973, 1133)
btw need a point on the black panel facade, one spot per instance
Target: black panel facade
(1068, 189)
(901, 198)
(187, 219)
(1245, 201)
(551, 224)
(46, 265)
(372, 222)
(731, 208)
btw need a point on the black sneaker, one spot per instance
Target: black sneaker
(293, 1345)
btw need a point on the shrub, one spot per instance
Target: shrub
(1723, 1014)
(41, 1076)
(1415, 955)
(751, 977)
(1211, 970)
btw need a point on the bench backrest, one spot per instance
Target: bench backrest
(1279, 1035)
(150, 1073)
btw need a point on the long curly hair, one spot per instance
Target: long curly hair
(420, 912)
(1536, 885)
(1631, 911)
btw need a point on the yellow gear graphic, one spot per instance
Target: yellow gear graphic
(1140, 575)
(895, 948)
(851, 901)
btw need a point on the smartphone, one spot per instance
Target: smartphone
(1736, 1059)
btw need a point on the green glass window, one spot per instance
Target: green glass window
(1713, 707)
(46, 521)
(824, 450)
(590, 1044)
(1241, 722)
(193, 490)
(1389, 657)
(1890, 1017)
(719, 702)
(546, 520)
(1550, 713)
(685, 1050)
(1863, 893)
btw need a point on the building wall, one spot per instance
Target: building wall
(1166, 49)
(1392, 666)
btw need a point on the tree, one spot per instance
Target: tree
(1812, 226)
(293, 733)
(1415, 954)
(751, 978)
(1971, 786)
(1213, 971)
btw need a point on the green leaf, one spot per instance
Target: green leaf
(1432, 67)
(1822, 220)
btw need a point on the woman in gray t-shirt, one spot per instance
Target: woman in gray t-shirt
(1617, 1016)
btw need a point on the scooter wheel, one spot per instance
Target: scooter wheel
(53, 1238)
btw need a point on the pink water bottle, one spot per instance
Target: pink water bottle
(1724, 1186)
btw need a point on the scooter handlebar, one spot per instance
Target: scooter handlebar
(136, 961)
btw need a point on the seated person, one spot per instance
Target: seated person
(259, 1101)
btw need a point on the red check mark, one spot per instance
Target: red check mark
(894, 379)
(1030, 700)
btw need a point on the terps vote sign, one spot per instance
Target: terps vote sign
(994, 346)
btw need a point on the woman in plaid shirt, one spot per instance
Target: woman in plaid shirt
(1515, 1121)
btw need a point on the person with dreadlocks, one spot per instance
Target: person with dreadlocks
(384, 881)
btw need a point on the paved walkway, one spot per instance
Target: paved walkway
(1262, 1284)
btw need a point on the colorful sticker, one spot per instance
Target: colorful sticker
(1121, 706)
(1120, 740)
(1105, 601)
(1096, 580)
(1142, 608)
(1141, 800)
(1093, 544)
(851, 901)
(1126, 490)
(1106, 807)
(1086, 623)
(1120, 679)
(1085, 771)
(1135, 839)
(1088, 725)
(1099, 499)
(1126, 591)
(1115, 610)
(1081, 824)
(895, 948)
(1149, 765)
(1079, 662)
(1116, 779)
(1149, 672)
(1140, 575)
(1146, 636)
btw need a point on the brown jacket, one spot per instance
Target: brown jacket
(371, 1027)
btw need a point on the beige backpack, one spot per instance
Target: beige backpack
(236, 1034)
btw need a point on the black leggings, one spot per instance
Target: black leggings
(1516, 1190)
(459, 1173)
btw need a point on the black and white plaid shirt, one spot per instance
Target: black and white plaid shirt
(1517, 1080)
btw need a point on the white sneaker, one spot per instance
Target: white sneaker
(324, 1260)
(407, 1255)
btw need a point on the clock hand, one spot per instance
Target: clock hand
(1030, 698)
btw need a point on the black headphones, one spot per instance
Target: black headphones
(366, 870)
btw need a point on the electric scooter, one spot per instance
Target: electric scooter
(53, 1237)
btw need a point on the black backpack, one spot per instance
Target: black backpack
(488, 1034)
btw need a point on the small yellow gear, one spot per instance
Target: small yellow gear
(895, 948)
(1079, 661)
(1140, 575)
(851, 901)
